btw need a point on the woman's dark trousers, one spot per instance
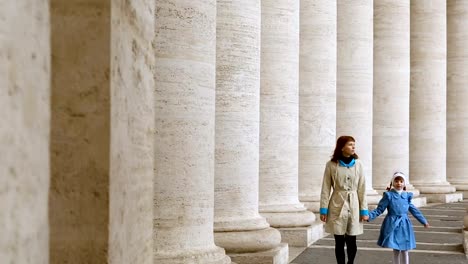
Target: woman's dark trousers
(351, 248)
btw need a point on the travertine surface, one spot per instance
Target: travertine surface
(279, 113)
(238, 225)
(428, 96)
(391, 90)
(457, 93)
(317, 95)
(24, 131)
(80, 132)
(354, 79)
(185, 47)
(132, 124)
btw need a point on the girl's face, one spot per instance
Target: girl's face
(398, 183)
(348, 149)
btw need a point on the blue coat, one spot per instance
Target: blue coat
(397, 231)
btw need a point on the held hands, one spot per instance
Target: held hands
(323, 218)
(364, 217)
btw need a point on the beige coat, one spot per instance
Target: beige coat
(347, 198)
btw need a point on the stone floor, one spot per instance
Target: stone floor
(440, 244)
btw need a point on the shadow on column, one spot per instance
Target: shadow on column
(79, 148)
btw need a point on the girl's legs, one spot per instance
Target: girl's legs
(351, 248)
(396, 256)
(404, 257)
(339, 249)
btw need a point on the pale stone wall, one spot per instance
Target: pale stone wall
(24, 131)
(391, 90)
(185, 47)
(457, 94)
(80, 131)
(317, 95)
(132, 125)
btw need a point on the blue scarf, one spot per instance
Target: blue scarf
(350, 164)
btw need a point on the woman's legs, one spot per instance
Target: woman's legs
(339, 249)
(351, 248)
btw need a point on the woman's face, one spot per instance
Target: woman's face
(348, 148)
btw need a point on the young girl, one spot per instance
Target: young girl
(397, 231)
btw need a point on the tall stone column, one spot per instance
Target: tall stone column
(317, 96)
(185, 47)
(24, 133)
(457, 82)
(238, 226)
(428, 100)
(132, 137)
(279, 116)
(391, 92)
(354, 81)
(80, 132)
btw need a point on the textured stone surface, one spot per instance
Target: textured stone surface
(457, 94)
(354, 79)
(279, 110)
(317, 95)
(24, 131)
(278, 255)
(302, 236)
(80, 132)
(428, 96)
(237, 223)
(390, 147)
(132, 124)
(185, 47)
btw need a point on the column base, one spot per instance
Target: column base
(312, 206)
(248, 241)
(465, 242)
(373, 199)
(215, 255)
(289, 219)
(277, 255)
(302, 236)
(443, 197)
(442, 188)
(419, 201)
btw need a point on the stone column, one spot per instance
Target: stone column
(391, 92)
(238, 226)
(132, 125)
(428, 100)
(80, 132)
(354, 81)
(317, 96)
(457, 82)
(279, 116)
(24, 133)
(185, 47)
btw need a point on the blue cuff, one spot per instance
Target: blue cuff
(323, 211)
(364, 212)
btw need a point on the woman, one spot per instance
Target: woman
(346, 208)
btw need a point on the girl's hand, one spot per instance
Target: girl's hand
(426, 225)
(323, 218)
(364, 217)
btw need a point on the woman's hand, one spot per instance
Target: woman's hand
(323, 217)
(364, 217)
(426, 225)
